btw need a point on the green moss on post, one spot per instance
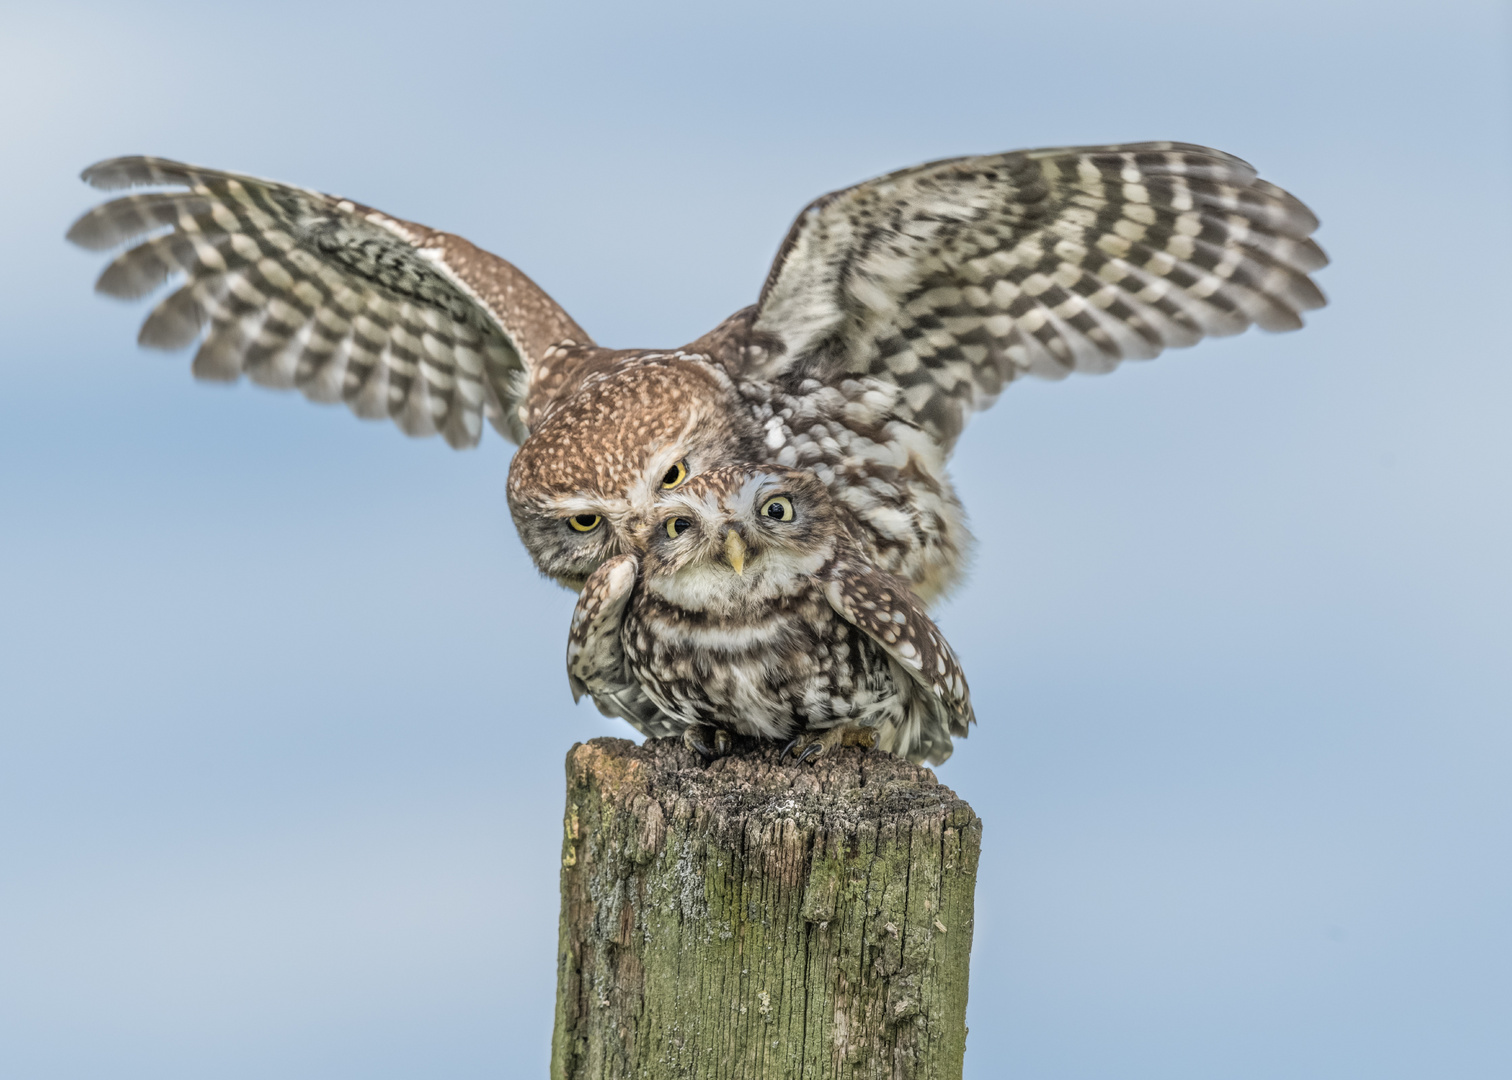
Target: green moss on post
(752, 919)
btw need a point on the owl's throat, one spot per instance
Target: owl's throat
(737, 581)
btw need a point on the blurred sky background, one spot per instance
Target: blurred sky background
(282, 701)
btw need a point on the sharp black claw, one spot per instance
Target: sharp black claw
(697, 745)
(787, 749)
(812, 750)
(693, 739)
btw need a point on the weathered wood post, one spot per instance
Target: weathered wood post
(749, 919)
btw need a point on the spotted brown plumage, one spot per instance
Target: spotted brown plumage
(595, 657)
(751, 609)
(893, 309)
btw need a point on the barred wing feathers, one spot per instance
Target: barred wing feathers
(885, 609)
(953, 278)
(596, 657)
(297, 289)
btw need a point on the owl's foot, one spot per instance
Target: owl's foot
(706, 741)
(812, 744)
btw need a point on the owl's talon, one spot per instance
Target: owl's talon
(697, 738)
(864, 737)
(813, 744)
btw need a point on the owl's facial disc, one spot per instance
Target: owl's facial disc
(737, 538)
(634, 433)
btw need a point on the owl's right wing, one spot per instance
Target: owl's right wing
(885, 609)
(953, 278)
(309, 291)
(595, 656)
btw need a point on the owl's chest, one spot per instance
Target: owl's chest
(794, 666)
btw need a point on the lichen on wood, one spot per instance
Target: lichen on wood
(749, 918)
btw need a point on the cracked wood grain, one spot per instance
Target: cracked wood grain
(752, 919)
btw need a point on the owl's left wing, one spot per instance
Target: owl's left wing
(886, 610)
(595, 656)
(298, 289)
(953, 278)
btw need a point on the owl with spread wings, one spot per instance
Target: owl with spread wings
(894, 310)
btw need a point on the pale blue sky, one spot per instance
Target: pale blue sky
(282, 705)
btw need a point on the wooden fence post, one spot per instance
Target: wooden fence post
(750, 919)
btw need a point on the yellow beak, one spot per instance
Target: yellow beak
(735, 551)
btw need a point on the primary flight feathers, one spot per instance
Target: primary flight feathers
(948, 279)
(298, 289)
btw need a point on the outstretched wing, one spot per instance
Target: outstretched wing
(300, 289)
(885, 609)
(953, 278)
(596, 659)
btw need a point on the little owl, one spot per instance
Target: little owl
(893, 309)
(752, 610)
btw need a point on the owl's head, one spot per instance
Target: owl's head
(593, 468)
(738, 537)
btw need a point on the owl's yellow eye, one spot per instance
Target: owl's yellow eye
(676, 525)
(675, 475)
(585, 523)
(778, 509)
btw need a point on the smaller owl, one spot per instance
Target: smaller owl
(749, 609)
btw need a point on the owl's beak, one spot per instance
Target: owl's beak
(735, 551)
